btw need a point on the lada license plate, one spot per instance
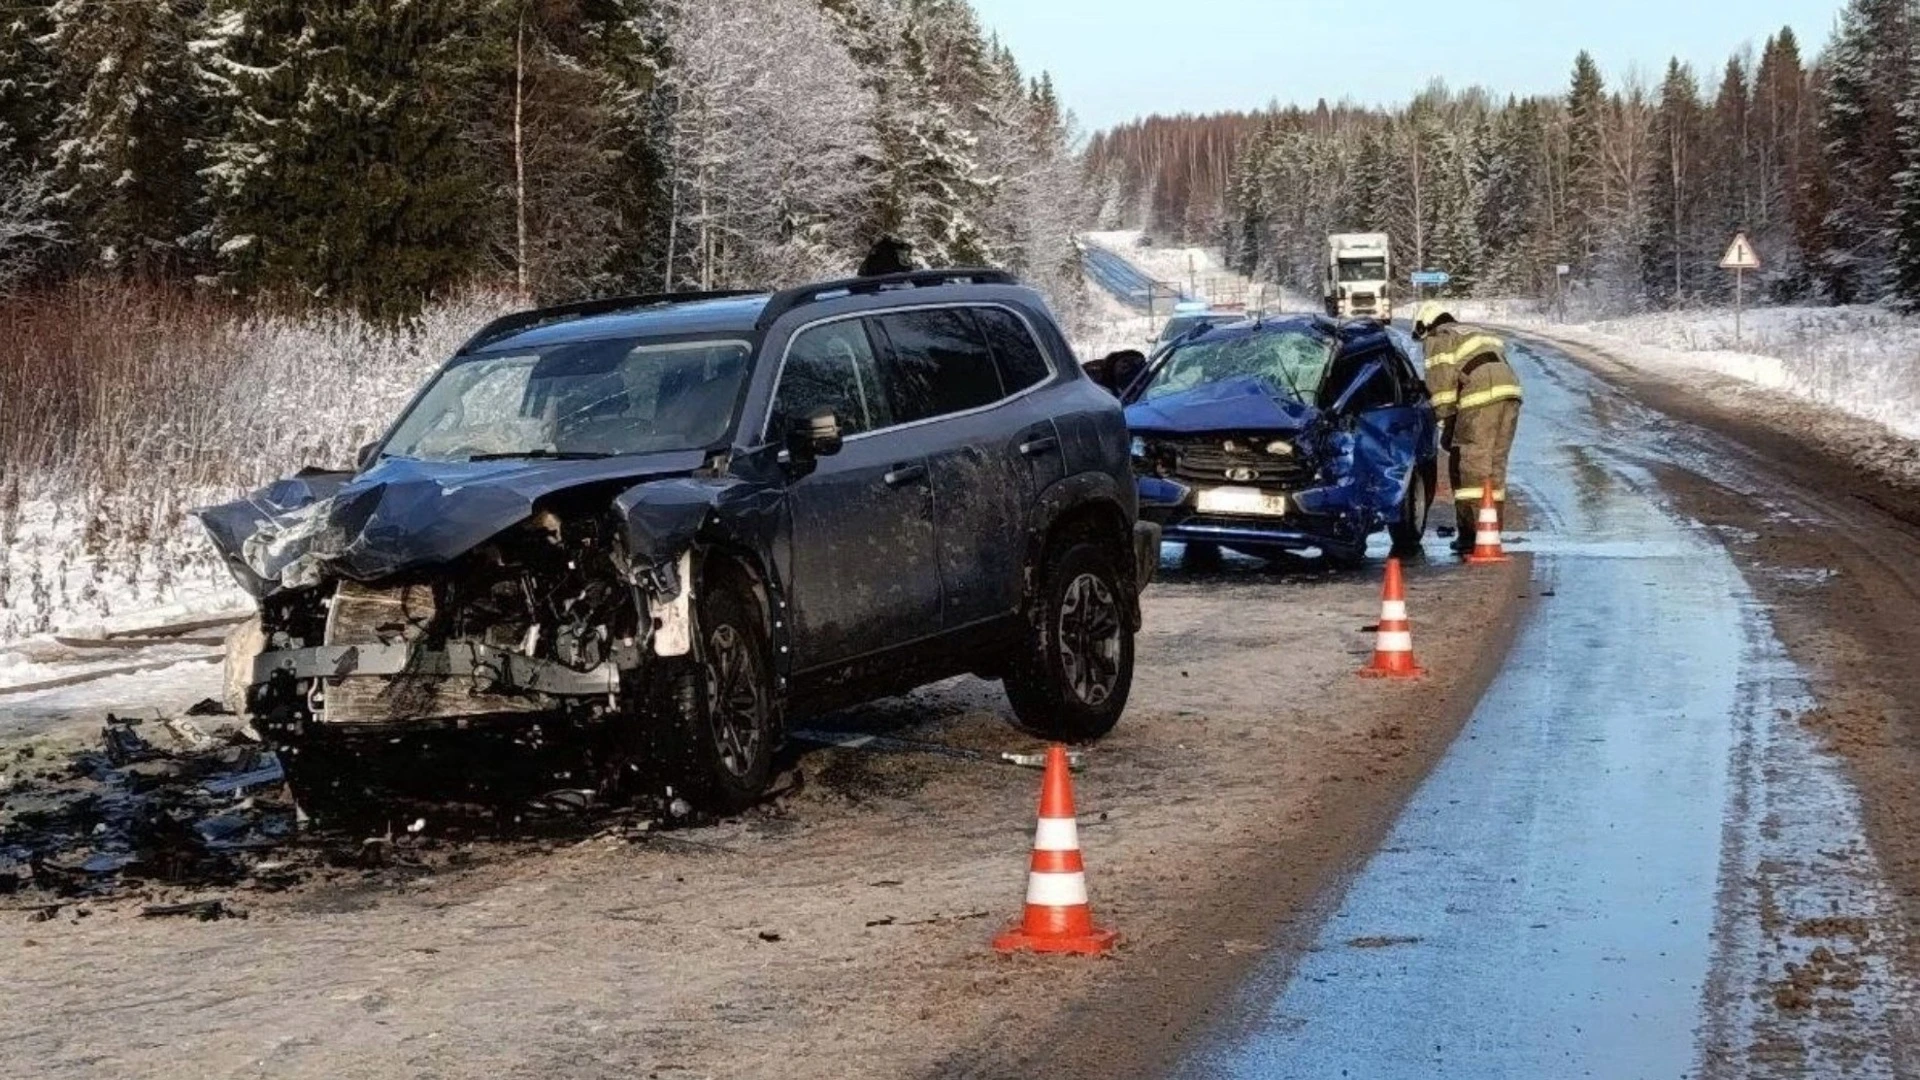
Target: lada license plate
(1247, 501)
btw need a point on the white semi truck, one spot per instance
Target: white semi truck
(1359, 276)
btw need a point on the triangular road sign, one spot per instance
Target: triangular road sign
(1740, 255)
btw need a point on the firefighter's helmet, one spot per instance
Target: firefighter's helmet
(1432, 313)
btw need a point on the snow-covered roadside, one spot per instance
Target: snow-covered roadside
(1863, 361)
(1876, 449)
(106, 533)
(1198, 270)
(1107, 325)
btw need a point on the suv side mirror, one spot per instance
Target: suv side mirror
(811, 439)
(365, 456)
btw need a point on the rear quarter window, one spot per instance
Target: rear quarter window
(935, 363)
(1021, 362)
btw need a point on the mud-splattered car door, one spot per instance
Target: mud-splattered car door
(864, 570)
(940, 373)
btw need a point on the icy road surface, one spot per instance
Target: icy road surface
(1635, 861)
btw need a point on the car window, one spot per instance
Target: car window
(935, 363)
(1412, 386)
(831, 366)
(1379, 390)
(1021, 362)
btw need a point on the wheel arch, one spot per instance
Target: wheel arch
(1085, 505)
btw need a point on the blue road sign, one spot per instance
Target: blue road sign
(1431, 277)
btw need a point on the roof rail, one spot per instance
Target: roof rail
(788, 299)
(582, 309)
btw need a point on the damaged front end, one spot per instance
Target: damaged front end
(1236, 464)
(529, 602)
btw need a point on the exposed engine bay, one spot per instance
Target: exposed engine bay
(515, 599)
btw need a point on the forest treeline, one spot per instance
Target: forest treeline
(1636, 187)
(380, 153)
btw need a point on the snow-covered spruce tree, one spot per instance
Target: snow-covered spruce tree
(1670, 252)
(1586, 171)
(1906, 205)
(29, 228)
(1868, 67)
(342, 175)
(126, 146)
(1782, 154)
(764, 143)
(930, 188)
(1511, 216)
(1455, 245)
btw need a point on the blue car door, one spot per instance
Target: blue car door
(1388, 425)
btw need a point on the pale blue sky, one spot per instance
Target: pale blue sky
(1117, 59)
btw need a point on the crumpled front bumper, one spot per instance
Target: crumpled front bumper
(496, 669)
(1318, 517)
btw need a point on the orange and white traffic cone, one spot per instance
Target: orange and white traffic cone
(1393, 640)
(1486, 533)
(1057, 918)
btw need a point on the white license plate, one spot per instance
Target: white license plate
(1249, 501)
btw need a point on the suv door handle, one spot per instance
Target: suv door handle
(901, 475)
(1042, 445)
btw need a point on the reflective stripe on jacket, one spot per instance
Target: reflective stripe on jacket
(1466, 369)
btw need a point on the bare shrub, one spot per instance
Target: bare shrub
(122, 407)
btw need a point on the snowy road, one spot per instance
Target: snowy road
(1636, 860)
(1123, 279)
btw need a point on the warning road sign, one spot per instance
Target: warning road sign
(1740, 255)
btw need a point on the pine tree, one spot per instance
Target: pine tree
(127, 142)
(29, 228)
(1669, 252)
(344, 176)
(1781, 153)
(1867, 68)
(1586, 167)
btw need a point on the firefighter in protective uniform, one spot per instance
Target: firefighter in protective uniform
(1476, 398)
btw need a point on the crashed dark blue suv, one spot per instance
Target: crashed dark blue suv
(1280, 434)
(661, 527)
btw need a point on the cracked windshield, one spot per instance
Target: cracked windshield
(596, 399)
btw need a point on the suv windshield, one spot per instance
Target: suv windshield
(1291, 361)
(576, 399)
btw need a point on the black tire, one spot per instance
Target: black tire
(1343, 558)
(1200, 556)
(1409, 532)
(1071, 677)
(719, 709)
